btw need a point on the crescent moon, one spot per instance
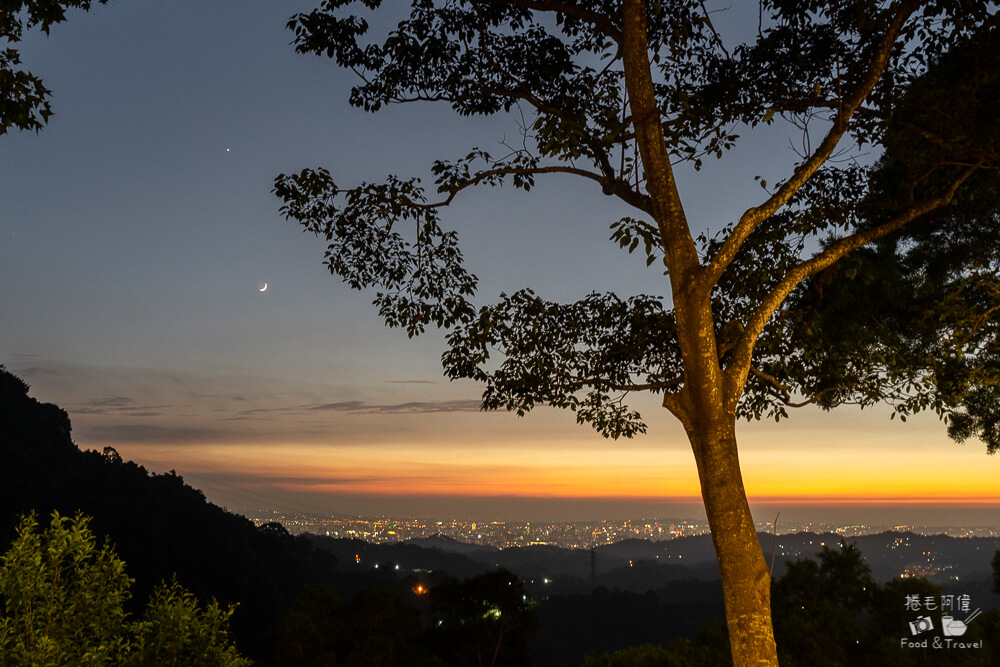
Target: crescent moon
(262, 287)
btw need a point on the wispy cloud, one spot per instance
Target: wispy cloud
(413, 407)
(343, 406)
(163, 407)
(148, 433)
(261, 477)
(122, 406)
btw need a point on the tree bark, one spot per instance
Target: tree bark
(746, 578)
(706, 408)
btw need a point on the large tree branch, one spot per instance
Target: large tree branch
(610, 186)
(738, 370)
(753, 217)
(779, 389)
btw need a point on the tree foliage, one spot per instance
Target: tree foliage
(815, 67)
(996, 572)
(24, 100)
(486, 620)
(63, 597)
(176, 630)
(767, 312)
(63, 601)
(912, 318)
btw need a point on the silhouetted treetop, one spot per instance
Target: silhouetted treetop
(24, 100)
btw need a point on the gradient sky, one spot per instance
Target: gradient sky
(135, 228)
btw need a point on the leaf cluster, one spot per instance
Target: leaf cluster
(24, 100)
(584, 356)
(62, 597)
(176, 630)
(811, 57)
(62, 605)
(386, 236)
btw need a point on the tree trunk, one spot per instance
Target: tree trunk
(746, 577)
(707, 402)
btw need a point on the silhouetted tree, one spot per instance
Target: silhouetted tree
(487, 620)
(822, 609)
(24, 101)
(828, 611)
(996, 572)
(620, 93)
(309, 631)
(709, 648)
(11, 386)
(383, 628)
(646, 655)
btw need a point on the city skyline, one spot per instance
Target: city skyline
(139, 224)
(566, 534)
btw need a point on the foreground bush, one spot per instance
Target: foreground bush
(62, 604)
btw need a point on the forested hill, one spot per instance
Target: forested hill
(159, 525)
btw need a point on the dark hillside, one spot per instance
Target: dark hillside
(159, 524)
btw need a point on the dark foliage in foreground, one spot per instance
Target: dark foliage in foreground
(830, 612)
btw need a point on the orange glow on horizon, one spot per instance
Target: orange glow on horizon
(773, 472)
(964, 501)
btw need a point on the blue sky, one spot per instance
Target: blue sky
(137, 225)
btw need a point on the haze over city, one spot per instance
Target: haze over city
(138, 230)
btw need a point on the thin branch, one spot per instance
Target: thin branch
(478, 178)
(795, 105)
(649, 386)
(718, 40)
(599, 382)
(481, 176)
(610, 186)
(815, 397)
